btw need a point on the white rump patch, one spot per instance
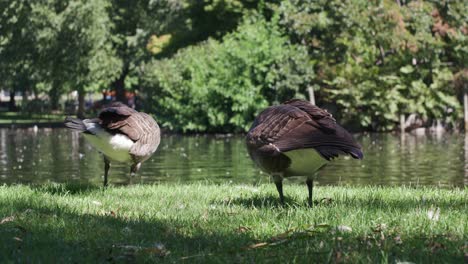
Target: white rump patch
(304, 162)
(120, 141)
(115, 147)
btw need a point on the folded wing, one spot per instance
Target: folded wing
(297, 124)
(139, 127)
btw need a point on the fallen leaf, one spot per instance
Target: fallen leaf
(196, 256)
(243, 229)
(379, 228)
(28, 211)
(258, 245)
(127, 247)
(434, 214)
(7, 219)
(326, 200)
(278, 242)
(344, 229)
(158, 249)
(18, 239)
(322, 226)
(435, 246)
(282, 236)
(398, 240)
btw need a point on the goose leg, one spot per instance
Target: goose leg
(310, 186)
(134, 168)
(106, 170)
(278, 179)
(279, 187)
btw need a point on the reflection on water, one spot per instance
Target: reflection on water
(59, 155)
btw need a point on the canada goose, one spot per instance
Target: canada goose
(121, 134)
(297, 138)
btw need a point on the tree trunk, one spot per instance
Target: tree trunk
(12, 103)
(466, 160)
(36, 93)
(465, 105)
(81, 103)
(119, 86)
(402, 123)
(311, 95)
(54, 97)
(25, 97)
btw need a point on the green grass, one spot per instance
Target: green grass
(232, 223)
(23, 118)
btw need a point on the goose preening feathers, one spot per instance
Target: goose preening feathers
(121, 134)
(297, 138)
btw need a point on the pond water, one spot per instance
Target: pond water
(59, 155)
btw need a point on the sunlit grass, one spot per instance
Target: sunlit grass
(232, 223)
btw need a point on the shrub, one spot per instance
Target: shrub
(221, 86)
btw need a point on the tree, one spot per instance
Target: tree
(58, 44)
(141, 25)
(18, 49)
(221, 86)
(134, 25)
(377, 60)
(82, 54)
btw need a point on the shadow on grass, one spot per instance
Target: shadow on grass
(377, 202)
(273, 201)
(58, 233)
(51, 234)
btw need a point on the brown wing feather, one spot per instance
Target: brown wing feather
(273, 123)
(298, 124)
(116, 118)
(149, 134)
(139, 127)
(322, 118)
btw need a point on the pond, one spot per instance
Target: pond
(59, 155)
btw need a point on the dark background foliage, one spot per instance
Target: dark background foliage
(212, 65)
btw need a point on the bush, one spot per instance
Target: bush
(221, 86)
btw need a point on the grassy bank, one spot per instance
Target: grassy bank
(23, 118)
(233, 223)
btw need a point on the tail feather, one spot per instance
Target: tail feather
(75, 124)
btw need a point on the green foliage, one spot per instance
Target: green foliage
(19, 52)
(134, 26)
(371, 60)
(376, 61)
(56, 46)
(85, 30)
(221, 86)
